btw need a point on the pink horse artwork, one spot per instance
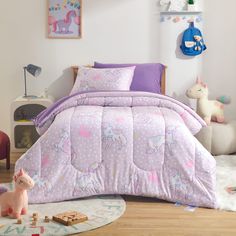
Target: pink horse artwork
(15, 204)
(62, 26)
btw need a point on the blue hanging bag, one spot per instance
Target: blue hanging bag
(192, 42)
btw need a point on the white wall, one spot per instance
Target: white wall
(113, 31)
(219, 63)
(182, 70)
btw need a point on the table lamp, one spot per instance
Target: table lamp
(33, 70)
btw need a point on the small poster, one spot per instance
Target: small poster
(64, 18)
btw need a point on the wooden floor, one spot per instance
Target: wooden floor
(148, 217)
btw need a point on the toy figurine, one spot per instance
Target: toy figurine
(15, 203)
(209, 110)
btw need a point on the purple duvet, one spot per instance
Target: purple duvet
(132, 143)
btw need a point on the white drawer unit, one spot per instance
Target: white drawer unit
(23, 132)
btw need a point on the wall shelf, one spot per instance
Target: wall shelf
(181, 12)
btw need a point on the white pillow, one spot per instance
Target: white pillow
(91, 79)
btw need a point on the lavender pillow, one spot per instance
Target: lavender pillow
(90, 79)
(147, 77)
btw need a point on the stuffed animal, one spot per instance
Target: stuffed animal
(198, 43)
(209, 110)
(15, 203)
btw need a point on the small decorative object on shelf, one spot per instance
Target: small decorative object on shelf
(165, 4)
(23, 111)
(191, 5)
(172, 5)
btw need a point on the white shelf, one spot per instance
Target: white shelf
(23, 122)
(23, 133)
(181, 12)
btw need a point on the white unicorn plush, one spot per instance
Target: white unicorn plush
(209, 110)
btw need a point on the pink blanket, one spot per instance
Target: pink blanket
(132, 143)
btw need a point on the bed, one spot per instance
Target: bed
(120, 142)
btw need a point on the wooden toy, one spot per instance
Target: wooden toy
(46, 220)
(35, 215)
(70, 218)
(1, 226)
(19, 221)
(34, 223)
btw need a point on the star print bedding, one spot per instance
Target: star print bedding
(133, 143)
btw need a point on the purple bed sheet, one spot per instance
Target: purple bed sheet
(133, 143)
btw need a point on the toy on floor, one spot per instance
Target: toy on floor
(46, 219)
(35, 218)
(15, 203)
(70, 218)
(209, 110)
(19, 221)
(34, 223)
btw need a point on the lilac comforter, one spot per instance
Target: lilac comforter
(131, 143)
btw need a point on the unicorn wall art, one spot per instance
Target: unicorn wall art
(64, 18)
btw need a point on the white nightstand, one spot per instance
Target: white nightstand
(23, 110)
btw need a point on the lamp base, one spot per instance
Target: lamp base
(30, 96)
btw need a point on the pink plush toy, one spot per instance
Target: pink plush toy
(15, 203)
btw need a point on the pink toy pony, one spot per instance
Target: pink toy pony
(15, 203)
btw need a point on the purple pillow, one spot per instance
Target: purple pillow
(147, 77)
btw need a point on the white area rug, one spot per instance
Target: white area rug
(100, 211)
(226, 177)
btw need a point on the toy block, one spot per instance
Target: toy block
(70, 218)
(46, 219)
(35, 215)
(34, 223)
(19, 221)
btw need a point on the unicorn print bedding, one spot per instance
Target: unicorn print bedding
(132, 143)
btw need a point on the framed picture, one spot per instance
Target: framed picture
(64, 19)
